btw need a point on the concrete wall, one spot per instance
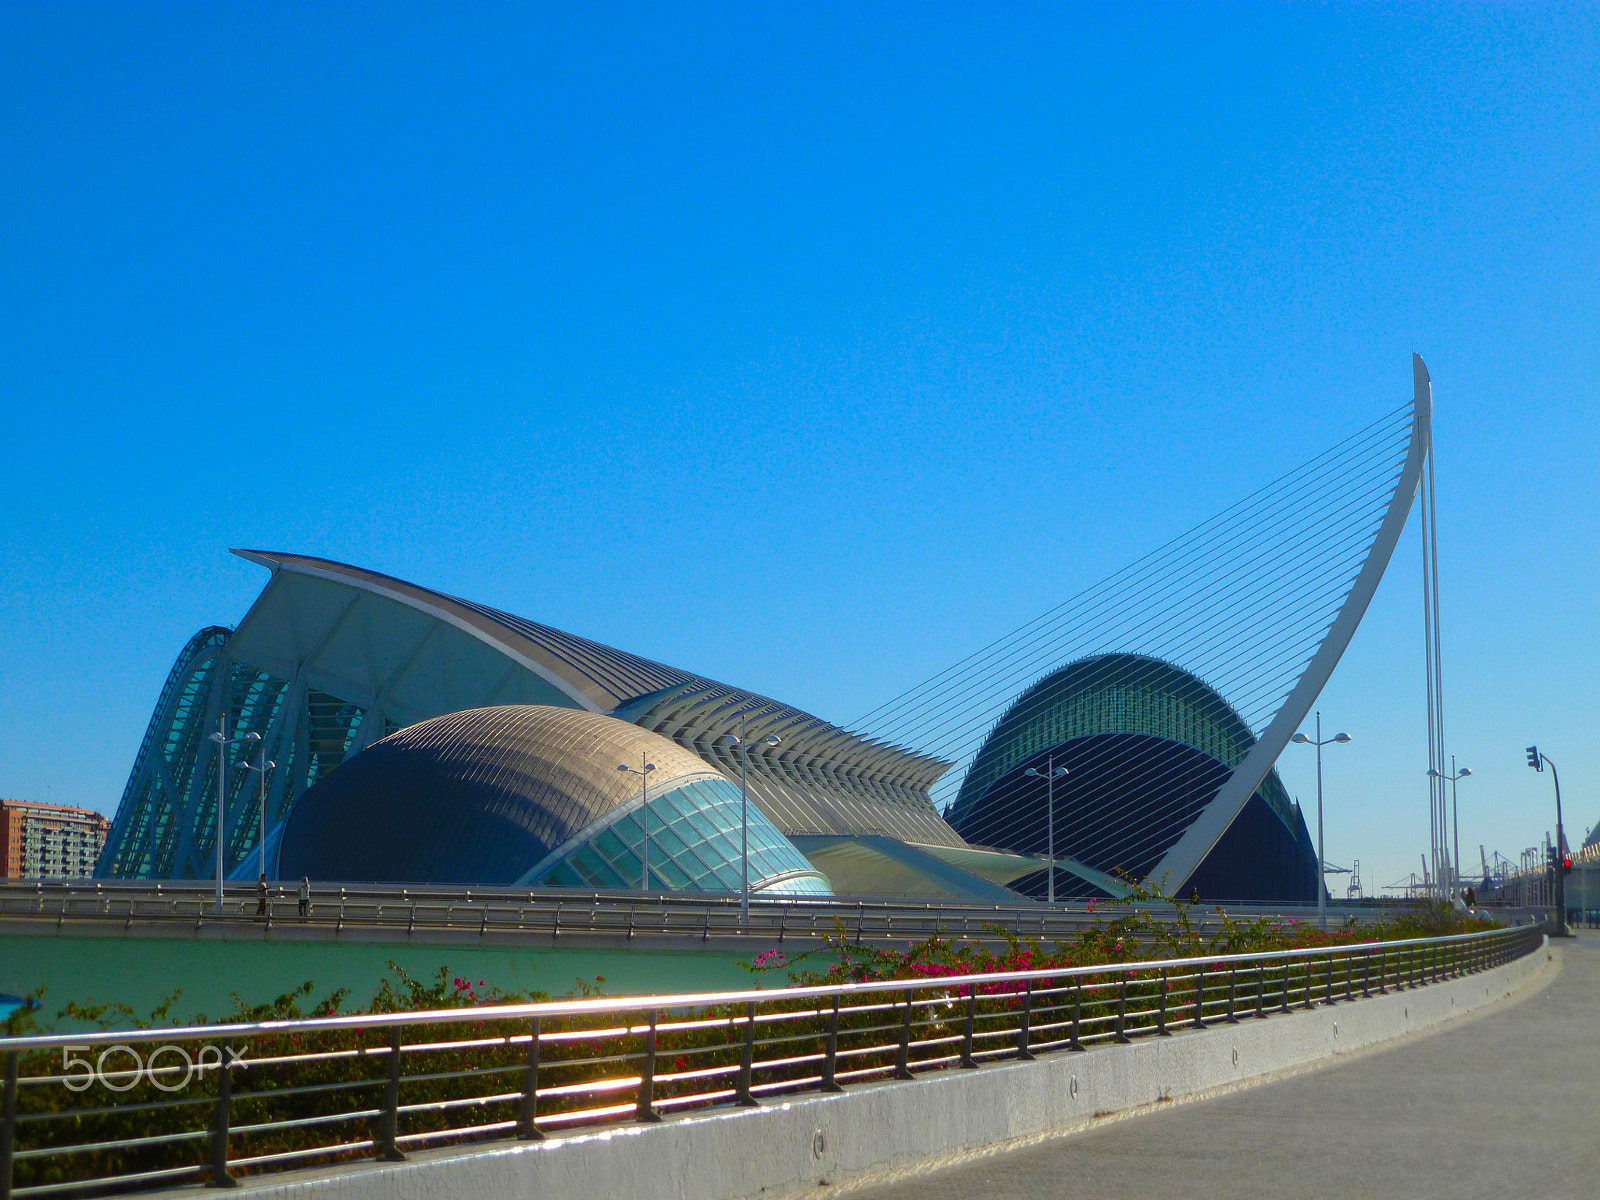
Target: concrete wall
(878, 1130)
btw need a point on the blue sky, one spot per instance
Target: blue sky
(808, 347)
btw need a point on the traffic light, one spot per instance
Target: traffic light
(1550, 857)
(1566, 864)
(1533, 758)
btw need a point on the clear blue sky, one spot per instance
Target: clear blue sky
(808, 347)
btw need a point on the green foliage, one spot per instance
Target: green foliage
(120, 1016)
(1152, 927)
(23, 1019)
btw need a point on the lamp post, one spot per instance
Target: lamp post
(643, 772)
(1050, 774)
(222, 742)
(1319, 743)
(739, 740)
(1539, 762)
(1452, 779)
(266, 765)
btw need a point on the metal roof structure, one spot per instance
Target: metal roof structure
(530, 794)
(819, 779)
(332, 658)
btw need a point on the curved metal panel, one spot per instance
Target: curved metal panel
(443, 608)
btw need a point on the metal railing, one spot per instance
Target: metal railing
(107, 1111)
(565, 913)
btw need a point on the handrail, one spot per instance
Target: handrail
(417, 912)
(121, 1110)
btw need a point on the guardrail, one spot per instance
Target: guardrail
(566, 913)
(109, 1111)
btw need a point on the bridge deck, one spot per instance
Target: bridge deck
(1498, 1105)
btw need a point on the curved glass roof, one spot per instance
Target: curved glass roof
(1115, 693)
(694, 846)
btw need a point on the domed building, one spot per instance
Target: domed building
(1146, 746)
(534, 795)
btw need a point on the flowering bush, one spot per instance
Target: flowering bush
(1148, 930)
(768, 960)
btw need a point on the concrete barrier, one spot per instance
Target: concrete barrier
(878, 1130)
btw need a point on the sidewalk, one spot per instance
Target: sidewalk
(1506, 1104)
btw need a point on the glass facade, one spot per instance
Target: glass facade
(694, 847)
(1114, 693)
(1145, 746)
(166, 823)
(144, 842)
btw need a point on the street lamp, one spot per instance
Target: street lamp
(223, 741)
(643, 772)
(1452, 779)
(1050, 774)
(1539, 762)
(266, 765)
(744, 815)
(1319, 743)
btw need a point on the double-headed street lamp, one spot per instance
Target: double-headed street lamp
(1050, 774)
(1539, 762)
(739, 740)
(266, 765)
(1452, 779)
(223, 741)
(1319, 742)
(643, 772)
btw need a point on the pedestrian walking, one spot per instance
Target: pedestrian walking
(305, 896)
(261, 896)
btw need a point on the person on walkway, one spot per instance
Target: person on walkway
(305, 896)
(261, 896)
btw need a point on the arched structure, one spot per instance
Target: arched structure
(1145, 745)
(531, 795)
(1260, 601)
(332, 659)
(1184, 857)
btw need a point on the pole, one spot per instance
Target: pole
(1050, 824)
(744, 829)
(1428, 666)
(222, 797)
(1322, 892)
(1455, 819)
(1561, 850)
(644, 821)
(1432, 517)
(263, 837)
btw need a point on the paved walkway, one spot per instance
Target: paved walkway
(1503, 1105)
